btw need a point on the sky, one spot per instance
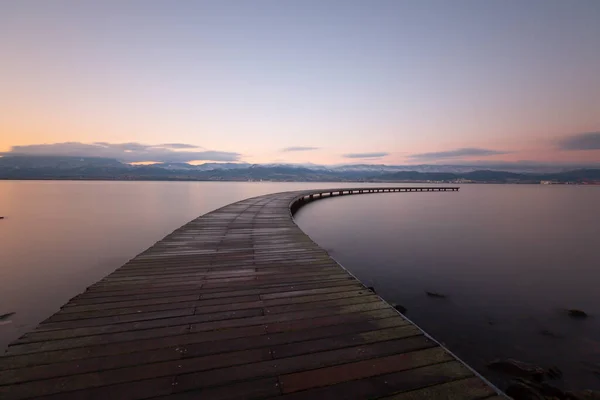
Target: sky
(297, 81)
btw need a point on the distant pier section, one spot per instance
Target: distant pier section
(237, 304)
(319, 194)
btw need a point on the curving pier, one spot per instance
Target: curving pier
(237, 304)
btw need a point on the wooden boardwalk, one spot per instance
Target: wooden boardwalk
(237, 304)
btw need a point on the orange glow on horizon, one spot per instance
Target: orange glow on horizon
(256, 85)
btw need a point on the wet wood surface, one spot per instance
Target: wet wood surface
(237, 304)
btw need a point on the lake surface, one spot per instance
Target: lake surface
(510, 258)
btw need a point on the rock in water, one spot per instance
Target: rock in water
(521, 390)
(583, 395)
(549, 333)
(435, 294)
(400, 308)
(5, 316)
(518, 368)
(554, 373)
(577, 313)
(552, 391)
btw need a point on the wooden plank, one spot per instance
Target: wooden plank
(77, 308)
(134, 390)
(122, 312)
(256, 389)
(337, 342)
(77, 337)
(465, 389)
(361, 369)
(210, 293)
(303, 342)
(200, 344)
(134, 373)
(298, 363)
(306, 292)
(347, 301)
(270, 306)
(96, 335)
(306, 315)
(293, 325)
(321, 287)
(382, 385)
(118, 319)
(176, 339)
(88, 364)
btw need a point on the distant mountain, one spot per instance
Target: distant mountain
(52, 167)
(588, 174)
(496, 176)
(418, 176)
(203, 167)
(576, 176)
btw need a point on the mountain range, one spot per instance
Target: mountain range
(57, 167)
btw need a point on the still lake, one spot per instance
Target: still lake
(509, 258)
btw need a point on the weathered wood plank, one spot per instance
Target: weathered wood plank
(299, 363)
(361, 369)
(256, 389)
(382, 385)
(270, 306)
(134, 373)
(465, 389)
(78, 337)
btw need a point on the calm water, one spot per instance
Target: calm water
(510, 258)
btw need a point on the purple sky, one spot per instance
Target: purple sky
(302, 81)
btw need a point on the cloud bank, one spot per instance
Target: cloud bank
(366, 155)
(126, 152)
(581, 141)
(456, 153)
(299, 148)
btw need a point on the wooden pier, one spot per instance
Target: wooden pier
(237, 304)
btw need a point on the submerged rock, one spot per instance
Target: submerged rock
(575, 313)
(552, 391)
(583, 395)
(523, 390)
(518, 368)
(400, 308)
(554, 373)
(435, 294)
(593, 368)
(549, 333)
(6, 316)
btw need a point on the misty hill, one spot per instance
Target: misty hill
(203, 167)
(477, 176)
(579, 175)
(54, 167)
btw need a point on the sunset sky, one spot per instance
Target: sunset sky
(327, 82)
